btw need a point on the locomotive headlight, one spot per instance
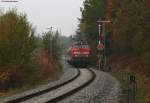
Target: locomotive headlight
(76, 53)
(87, 55)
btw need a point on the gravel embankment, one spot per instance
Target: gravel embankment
(104, 89)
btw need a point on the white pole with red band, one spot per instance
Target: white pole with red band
(101, 45)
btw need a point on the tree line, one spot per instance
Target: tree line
(24, 56)
(128, 34)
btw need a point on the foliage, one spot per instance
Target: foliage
(92, 11)
(16, 47)
(22, 57)
(16, 39)
(122, 66)
(129, 34)
(51, 44)
(129, 29)
(64, 43)
(48, 67)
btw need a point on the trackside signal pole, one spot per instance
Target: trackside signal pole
(102, 43)
(99, 43)
(51, 46)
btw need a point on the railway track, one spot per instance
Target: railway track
(61, 91)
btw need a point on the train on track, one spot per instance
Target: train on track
(79, 54)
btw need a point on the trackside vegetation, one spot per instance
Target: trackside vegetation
(129, 30)
(24, 57)
(127, 36)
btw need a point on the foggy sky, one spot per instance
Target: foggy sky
(58, 14)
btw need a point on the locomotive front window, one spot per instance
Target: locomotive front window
(84, 46)
(81, 46)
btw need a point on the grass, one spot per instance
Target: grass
(122, 66)
(13, 91)
(142, 93)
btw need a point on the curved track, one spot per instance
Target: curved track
(59, 98)
(46, 95)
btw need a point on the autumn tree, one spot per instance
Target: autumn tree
(16, 47)
(51, 44)
(129, 29)
(92, 11)
(16, 36)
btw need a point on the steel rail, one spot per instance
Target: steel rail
(64, 96)
(61, 97)
(17, 100)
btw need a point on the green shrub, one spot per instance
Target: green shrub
(16, 46)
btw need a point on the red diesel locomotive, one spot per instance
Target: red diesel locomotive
(79, 54)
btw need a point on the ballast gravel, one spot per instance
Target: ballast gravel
(85, 76)
(104, 89)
